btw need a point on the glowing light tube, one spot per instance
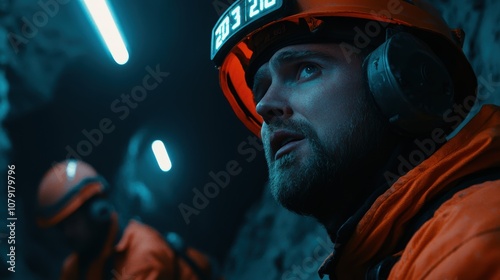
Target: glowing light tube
(105, 23)
(161, 155)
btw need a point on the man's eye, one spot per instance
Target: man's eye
(307, 70)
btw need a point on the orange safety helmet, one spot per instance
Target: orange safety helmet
(234, 43)
(64, 188)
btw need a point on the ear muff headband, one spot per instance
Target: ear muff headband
(409, 83)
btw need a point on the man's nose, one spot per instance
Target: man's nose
(274, 104)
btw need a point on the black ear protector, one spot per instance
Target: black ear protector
(100, 210)
(410, 84)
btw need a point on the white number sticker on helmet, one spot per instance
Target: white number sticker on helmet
(239, 15)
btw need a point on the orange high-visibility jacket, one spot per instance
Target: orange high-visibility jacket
(140, 254)
(462, 239)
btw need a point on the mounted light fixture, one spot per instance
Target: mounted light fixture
(161, 155)
(105, 23)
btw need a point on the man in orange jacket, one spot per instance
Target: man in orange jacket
(72, 197)
(354, 101)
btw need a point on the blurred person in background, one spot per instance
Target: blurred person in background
(72, 197)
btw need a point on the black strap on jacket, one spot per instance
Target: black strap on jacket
(179, 247)
(382, 269)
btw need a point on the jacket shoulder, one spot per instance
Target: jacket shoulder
(461, 240)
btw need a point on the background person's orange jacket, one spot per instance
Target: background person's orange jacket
(140, 254)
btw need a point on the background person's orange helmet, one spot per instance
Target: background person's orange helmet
(236, 39)
(64, 188)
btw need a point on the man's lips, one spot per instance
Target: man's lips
(284, 141)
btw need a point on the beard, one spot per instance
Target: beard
(329, 183)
